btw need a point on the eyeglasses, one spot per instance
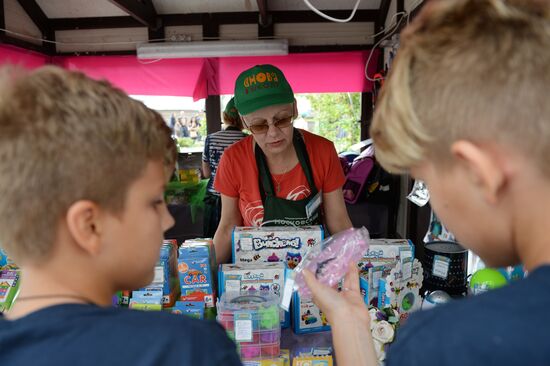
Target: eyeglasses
(261, 128)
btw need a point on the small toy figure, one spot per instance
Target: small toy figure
(293, 259)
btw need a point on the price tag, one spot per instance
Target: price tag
(287, 292)
(243, 327)
(376, 275)
(407, 268)
(233, 285)
(441, 266)
(159, 274)
(246, 244)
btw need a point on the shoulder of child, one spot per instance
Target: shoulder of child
(504, 326)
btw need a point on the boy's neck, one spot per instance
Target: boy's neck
(532, 221)
(45, 287)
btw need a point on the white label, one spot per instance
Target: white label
(159, 275)
(441, 266)
(243, 327)
(287, 293)
(246, 244)
(406, 254)
(407, 270)
(233, 285)
(376, 275)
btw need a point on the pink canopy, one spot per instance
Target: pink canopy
(21, 57)
(178, 77)
(197, 77)
(307, 72)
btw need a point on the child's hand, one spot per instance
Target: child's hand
(340, 307)
(347, 313)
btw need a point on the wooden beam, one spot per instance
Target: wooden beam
(23, 44)
(141, 10)
(36, 14)
(39, 18)
(2, 18)
(210, 30)
(266, 29)
(306, 16)
(380, 22)
(61, 24)
(262, 7)
(197, 19)
(329, 48)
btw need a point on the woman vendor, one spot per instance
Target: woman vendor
(280, 175)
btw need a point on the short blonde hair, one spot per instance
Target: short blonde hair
(64, 138)
(467, 69)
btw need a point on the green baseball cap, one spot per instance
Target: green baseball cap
(230, 109)
(261, 86)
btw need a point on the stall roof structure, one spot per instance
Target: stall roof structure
(91, 27)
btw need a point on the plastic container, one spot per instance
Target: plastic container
(253, 323)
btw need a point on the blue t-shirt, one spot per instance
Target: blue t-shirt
(508, 326)
(78, 334)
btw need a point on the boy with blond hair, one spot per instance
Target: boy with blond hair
(82, 174)
(465, 109)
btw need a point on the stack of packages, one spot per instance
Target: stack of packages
(196, 264)
(390, 276)
(9, 282)
(162, 292)
(262, 258)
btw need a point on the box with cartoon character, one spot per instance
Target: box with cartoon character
(248, 278)
(382, 256)
(306, 316)
(274, 243)
(166, 276)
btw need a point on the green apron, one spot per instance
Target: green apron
(279, 211)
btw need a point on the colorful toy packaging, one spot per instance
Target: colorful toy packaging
(382, 256)
(147, 300)
(9, 286)
(194, 309)
(306, 316)
(166, 278)
(253, 322)
(253, 278)
(274, 244)
(313, 357)
(195, 274)
(400, 289)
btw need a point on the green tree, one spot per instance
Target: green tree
(337, 116)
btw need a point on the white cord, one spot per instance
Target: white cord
(331, 18)
(390, 33)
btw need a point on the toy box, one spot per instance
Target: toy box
(400, 289)
(307, 317)
(9, 286)
(274, 243)
(318, 356)
(382, 256)
(252, 278)
(166, 277)
(253, 323)
(194, 309)
(195, 274)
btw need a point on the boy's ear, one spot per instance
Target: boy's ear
(295, 109)
(83, 223)
(483, 168)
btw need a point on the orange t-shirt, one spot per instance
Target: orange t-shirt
(237, 175)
